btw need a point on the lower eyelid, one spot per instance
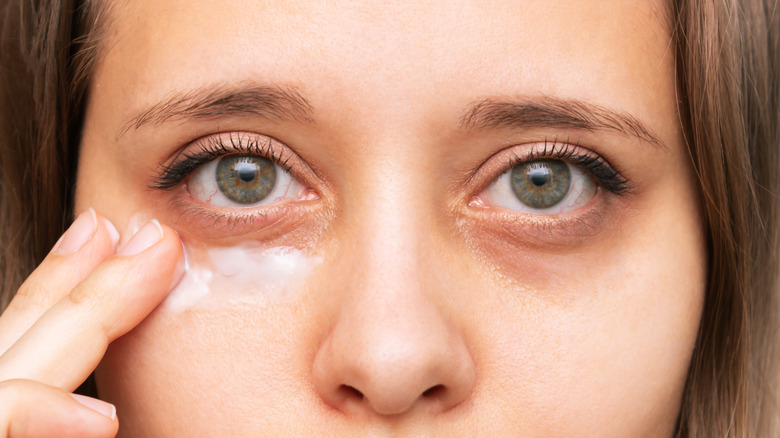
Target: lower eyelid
(544, 233)
(262, 224)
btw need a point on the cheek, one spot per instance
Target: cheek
(224, 364)
(605, 331)
(615, 337)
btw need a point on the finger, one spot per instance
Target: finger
(88, 242)
(32, 409)
(67, 342)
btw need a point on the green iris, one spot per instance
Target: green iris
(245, 179)
(541, 183)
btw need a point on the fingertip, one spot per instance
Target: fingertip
(92, 213)
(112, 231)
(95, 417)
(172, 238)
(146, 237)
(90, 234)
(105, 409)
(80, 232)
(159, 227)
(31, 408)
(148, 266)
(165, 230)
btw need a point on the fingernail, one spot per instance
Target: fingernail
(78, 234)
(181, 266)
(99, 406)
(147, 236)
(111, 231)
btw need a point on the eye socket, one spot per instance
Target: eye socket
(243, 181)
(543, 186)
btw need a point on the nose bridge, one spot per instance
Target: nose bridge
(388, 295)
(390, 214)
(391, 241)
(392, 346)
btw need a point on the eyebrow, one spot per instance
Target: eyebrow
(550, 112)
(266, 101)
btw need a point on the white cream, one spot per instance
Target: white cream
(193, 286)
(246, 272)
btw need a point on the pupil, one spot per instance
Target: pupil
(246, 171)
(539, 177)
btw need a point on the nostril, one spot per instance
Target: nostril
(350, 392)
(434, 391)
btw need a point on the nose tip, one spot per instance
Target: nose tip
(389, 402)
(390, 370)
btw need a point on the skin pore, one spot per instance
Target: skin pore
(431, 309)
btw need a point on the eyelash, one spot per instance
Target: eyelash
(170, 176)
(595, 165)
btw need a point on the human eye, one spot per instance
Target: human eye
(551, 179)
(235, 177)
(242, 181)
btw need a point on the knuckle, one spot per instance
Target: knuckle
(30, 295)
(79, 297)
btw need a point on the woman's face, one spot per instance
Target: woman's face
(435, 218)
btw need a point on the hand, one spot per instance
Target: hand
(53, 334)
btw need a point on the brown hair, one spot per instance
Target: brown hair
(729, 84)
(727, 55)
(47, 50)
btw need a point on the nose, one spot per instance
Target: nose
(392, 360)
(395, 345)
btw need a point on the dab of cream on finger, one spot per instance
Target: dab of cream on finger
(242, 273)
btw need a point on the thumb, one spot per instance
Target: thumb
(32, 409)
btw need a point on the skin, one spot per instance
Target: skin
(433, 311)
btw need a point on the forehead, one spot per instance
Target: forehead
(390, 55)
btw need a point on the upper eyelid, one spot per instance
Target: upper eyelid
(222, 144)
(511, 156)
(509, 152)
